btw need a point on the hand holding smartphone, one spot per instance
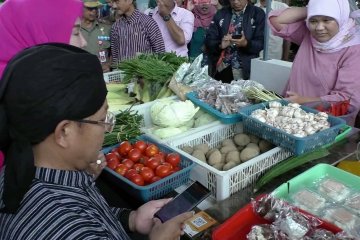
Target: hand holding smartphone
(183, 202)
(237, 36)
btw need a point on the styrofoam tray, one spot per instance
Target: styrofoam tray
(223, 184)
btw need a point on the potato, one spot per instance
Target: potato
(241, 139)
(248, 153)
(214, 158)
(226, 149)
(227, 142)
(233, 156)
(229, 165)
(199, 155)
(265, 146)
(254, 139)
(187, 149)
(253, 145)
(240, 148)
(207, 155)
(202, 147)
(218, 166)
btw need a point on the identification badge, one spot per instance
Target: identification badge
(102, 56)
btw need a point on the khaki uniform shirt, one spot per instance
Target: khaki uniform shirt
(91, 36)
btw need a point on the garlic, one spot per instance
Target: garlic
(260, 118)
(309, 130)
(275, 104)
(294, 105)
(287, 111)
(299, 113)
(272, 112)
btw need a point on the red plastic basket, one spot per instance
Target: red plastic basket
(239, 225)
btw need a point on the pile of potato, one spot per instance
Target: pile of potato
(231, 152)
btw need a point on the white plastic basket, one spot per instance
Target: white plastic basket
(147, 125)
(223, 184)
(114, 76)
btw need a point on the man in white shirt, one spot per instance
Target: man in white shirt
(277, 48)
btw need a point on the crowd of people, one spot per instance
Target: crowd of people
(53, 108)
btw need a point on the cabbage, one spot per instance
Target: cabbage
(169, 131)
(169, 113)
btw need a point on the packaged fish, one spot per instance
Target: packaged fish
(353, 203)
(308, 201)
(333, 189)
(341, 217)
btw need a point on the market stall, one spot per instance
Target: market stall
(247, 138)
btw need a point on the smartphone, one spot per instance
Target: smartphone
(183, 202)
(237, 36)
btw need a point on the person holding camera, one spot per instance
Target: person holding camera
(234, 37)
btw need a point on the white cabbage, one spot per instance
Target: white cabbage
(172, 113)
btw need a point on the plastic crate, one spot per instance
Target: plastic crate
(239, 225)
(147, 125)
(159, 188)
(223, 184)
(297, 145)
(224, 118)
(113, 77)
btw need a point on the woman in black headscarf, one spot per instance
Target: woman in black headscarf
(53, 115)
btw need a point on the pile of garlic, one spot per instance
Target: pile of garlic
(292, 119)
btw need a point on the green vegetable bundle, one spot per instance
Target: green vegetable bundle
(127, 126)
(152, 72)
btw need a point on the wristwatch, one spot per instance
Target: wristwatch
(166, 18)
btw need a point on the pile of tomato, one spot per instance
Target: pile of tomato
(142, 163)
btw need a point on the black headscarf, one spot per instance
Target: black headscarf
(41, 86)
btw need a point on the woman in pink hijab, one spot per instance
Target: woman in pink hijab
(326, 65)
(25, 23)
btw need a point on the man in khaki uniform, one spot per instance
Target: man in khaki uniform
(95, 33)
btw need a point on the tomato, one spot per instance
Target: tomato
(161, 156)
(112, 160)
(143, 159)
(137, 179)
(134, 155)
(138, 166)
(128, 163)
(154, 179)
(147, 174)
(151, 150)
(124, 148)
(173, 159)
(177, 168)
(121, 169)
(141, 145)
(163, 171)
(130, 172)
(114, 150)
(168, 164)
(152, 163)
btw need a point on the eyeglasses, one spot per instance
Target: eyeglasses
(91, 8)
(109, 122)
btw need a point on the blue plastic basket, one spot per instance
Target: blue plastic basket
(297, 145)
(159, 188)
(224, 118)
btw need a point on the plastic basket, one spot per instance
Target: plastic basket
(223, 184)
(159, 188)
(297, 145)
(224, 118)
(239, 225)
(113, 77)
(147, 125)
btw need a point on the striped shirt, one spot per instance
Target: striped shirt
(138, 33)
(61, 205)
